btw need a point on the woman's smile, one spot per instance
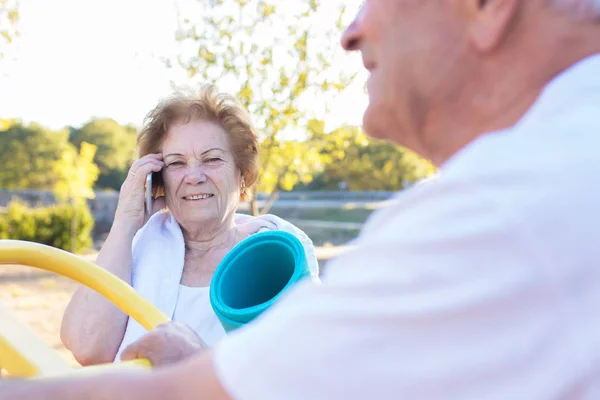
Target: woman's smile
(198, 197)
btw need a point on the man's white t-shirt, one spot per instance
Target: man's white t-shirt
(483, 283)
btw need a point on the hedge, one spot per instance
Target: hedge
(47, 225)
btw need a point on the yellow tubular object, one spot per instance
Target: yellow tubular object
(104, 368)
(23, 354)
(87, 273)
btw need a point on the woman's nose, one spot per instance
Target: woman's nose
(195, 175)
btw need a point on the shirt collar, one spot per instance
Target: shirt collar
(564, 88)
(560, 92)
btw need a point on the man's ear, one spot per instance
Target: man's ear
(490, 21)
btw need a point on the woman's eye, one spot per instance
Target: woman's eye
(175, 163)
(213, 159)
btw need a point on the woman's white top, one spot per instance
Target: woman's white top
(158, 257)
(193, 309)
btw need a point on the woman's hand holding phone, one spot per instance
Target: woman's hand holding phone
(131, 210)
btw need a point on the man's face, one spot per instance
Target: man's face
(412, 49)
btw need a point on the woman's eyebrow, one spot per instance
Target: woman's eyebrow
(203, 153)
(213, 148)
(173, 155)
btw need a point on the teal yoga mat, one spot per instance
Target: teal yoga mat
(253, 275)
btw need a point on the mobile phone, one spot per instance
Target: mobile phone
(148, 194)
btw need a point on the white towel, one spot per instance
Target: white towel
(158, 252)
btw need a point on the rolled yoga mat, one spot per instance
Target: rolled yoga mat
(253, 275)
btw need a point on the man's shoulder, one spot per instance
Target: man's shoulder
(436, 212)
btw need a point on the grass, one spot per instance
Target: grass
(327, 237)
(355, 215)
(330, 237)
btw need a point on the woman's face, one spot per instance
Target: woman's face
(202, 182)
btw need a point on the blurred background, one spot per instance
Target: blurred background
(77, 78)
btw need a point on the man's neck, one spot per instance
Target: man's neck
(509, 94)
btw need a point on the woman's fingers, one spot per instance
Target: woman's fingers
(141, 168)
(145, 169)
(254, 224)
(131, 206)
(138, 166)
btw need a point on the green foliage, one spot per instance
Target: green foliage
(115, 149)
(28, 155)
(364, 163)
(7, 123)
(76, 174)
(276, 58)
(47, 225)
(292, 162)
(9, 18)
(4, 227)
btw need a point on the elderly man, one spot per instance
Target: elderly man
(480, 284)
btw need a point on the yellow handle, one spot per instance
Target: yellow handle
(87, 273)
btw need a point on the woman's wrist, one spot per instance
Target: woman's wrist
(122, 227)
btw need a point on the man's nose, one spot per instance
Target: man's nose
(351, 38)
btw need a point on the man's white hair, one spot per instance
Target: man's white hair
(584, 9)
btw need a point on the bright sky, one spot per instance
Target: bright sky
(77, 59)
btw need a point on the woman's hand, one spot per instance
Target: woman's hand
(167, 344)
(250, 225)
(131, 210)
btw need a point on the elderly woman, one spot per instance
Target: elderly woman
(204, 153)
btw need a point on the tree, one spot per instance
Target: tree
(364, 163)
(28, 155)
(7, 123)
(9, 17)
(115, 149)
(76, 175)
(277, 59)
(291, 162)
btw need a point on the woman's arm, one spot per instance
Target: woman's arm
(92, 327)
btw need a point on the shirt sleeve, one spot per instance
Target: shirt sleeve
(443, 296)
